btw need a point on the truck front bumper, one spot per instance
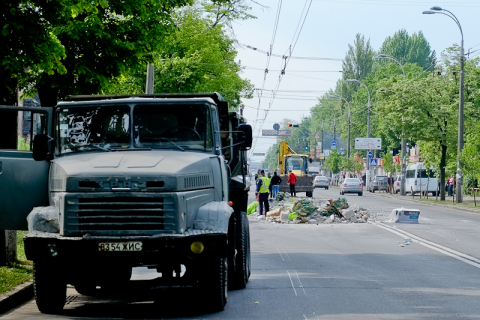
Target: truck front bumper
(155, 250)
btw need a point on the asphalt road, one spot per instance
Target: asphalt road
(343, 271)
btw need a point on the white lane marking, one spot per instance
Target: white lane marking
(431, 245)
(292, 283)
(466, 256)
(301, 284)
(280, 254)
(305, 317)
(287, 254)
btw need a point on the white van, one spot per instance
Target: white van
(420, 179)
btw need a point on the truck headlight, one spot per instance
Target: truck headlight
(197, 247)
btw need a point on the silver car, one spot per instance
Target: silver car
(322, 182)
(351, 185)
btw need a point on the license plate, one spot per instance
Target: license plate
(120, 246)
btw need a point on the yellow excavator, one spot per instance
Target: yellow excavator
(298, 163)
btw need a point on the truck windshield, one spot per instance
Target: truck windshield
(296, 163)
(181, 127)
(93, 128)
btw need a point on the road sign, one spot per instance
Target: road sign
(373, 162)
(275, 133)
(368, 143)
(259, 154)
(342, 151)
(276, 126)
(317, 136)
(334, 143)
(370, 154)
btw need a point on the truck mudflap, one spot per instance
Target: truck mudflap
(132, 250)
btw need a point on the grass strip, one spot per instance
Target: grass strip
(18, 272)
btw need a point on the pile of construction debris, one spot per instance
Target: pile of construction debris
(286, 209)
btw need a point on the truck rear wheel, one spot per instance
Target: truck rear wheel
(214, 285)
(49, 287)
(239, 278)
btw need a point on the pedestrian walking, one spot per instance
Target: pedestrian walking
(451, 183)
(390, 183)
(292, 179)
(263, 184)
(275, 184)
(364, 179)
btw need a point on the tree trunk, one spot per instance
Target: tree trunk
(8, 247)
(47, 94)
(443, 161)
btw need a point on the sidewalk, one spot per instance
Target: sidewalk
(467, 205)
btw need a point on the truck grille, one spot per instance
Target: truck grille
(121, 215)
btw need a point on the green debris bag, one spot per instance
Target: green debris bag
(280, 196)
(304, 207)
(252, 207)
(292, 215)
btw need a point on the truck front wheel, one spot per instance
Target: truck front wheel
(239, 279)
(49, 287)
(213, 285)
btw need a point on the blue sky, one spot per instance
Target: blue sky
(328, 29)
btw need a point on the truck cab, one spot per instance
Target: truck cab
(107, 183)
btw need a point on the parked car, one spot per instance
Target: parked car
(351, 185)
(378, 183)
(397, 184)
(322, 182)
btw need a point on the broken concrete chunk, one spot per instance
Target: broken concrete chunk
(274, 212)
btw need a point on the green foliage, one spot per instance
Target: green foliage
(333, 162)
(409, 49)
(388, 162)
(348, 164)
(357, 64)
(271, 158)
(195, 58)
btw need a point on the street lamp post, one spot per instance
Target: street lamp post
(403, 192)
(349, 121)
(368, 128)
(436, 10)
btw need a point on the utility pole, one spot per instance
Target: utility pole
(149, 84)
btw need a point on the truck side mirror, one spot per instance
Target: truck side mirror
(40, 147)
(246, 129)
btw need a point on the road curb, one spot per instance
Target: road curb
(18, 295)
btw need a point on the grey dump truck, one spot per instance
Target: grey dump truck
(107, 183)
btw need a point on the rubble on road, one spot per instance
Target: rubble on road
(304, 210)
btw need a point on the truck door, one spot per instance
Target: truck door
(23, 181)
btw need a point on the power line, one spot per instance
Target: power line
(283, 56)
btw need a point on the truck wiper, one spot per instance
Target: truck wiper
(176, 145)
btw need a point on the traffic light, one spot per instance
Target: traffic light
(291, 125)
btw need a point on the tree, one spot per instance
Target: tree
(426, 111)
(101, 39)
(333, 162)
(348, 164)
(388, 165)
(195, 58)
(357, 64)
(28, 48)
(409, 49)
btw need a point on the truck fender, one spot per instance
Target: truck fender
(213, 216)
(44, 219)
